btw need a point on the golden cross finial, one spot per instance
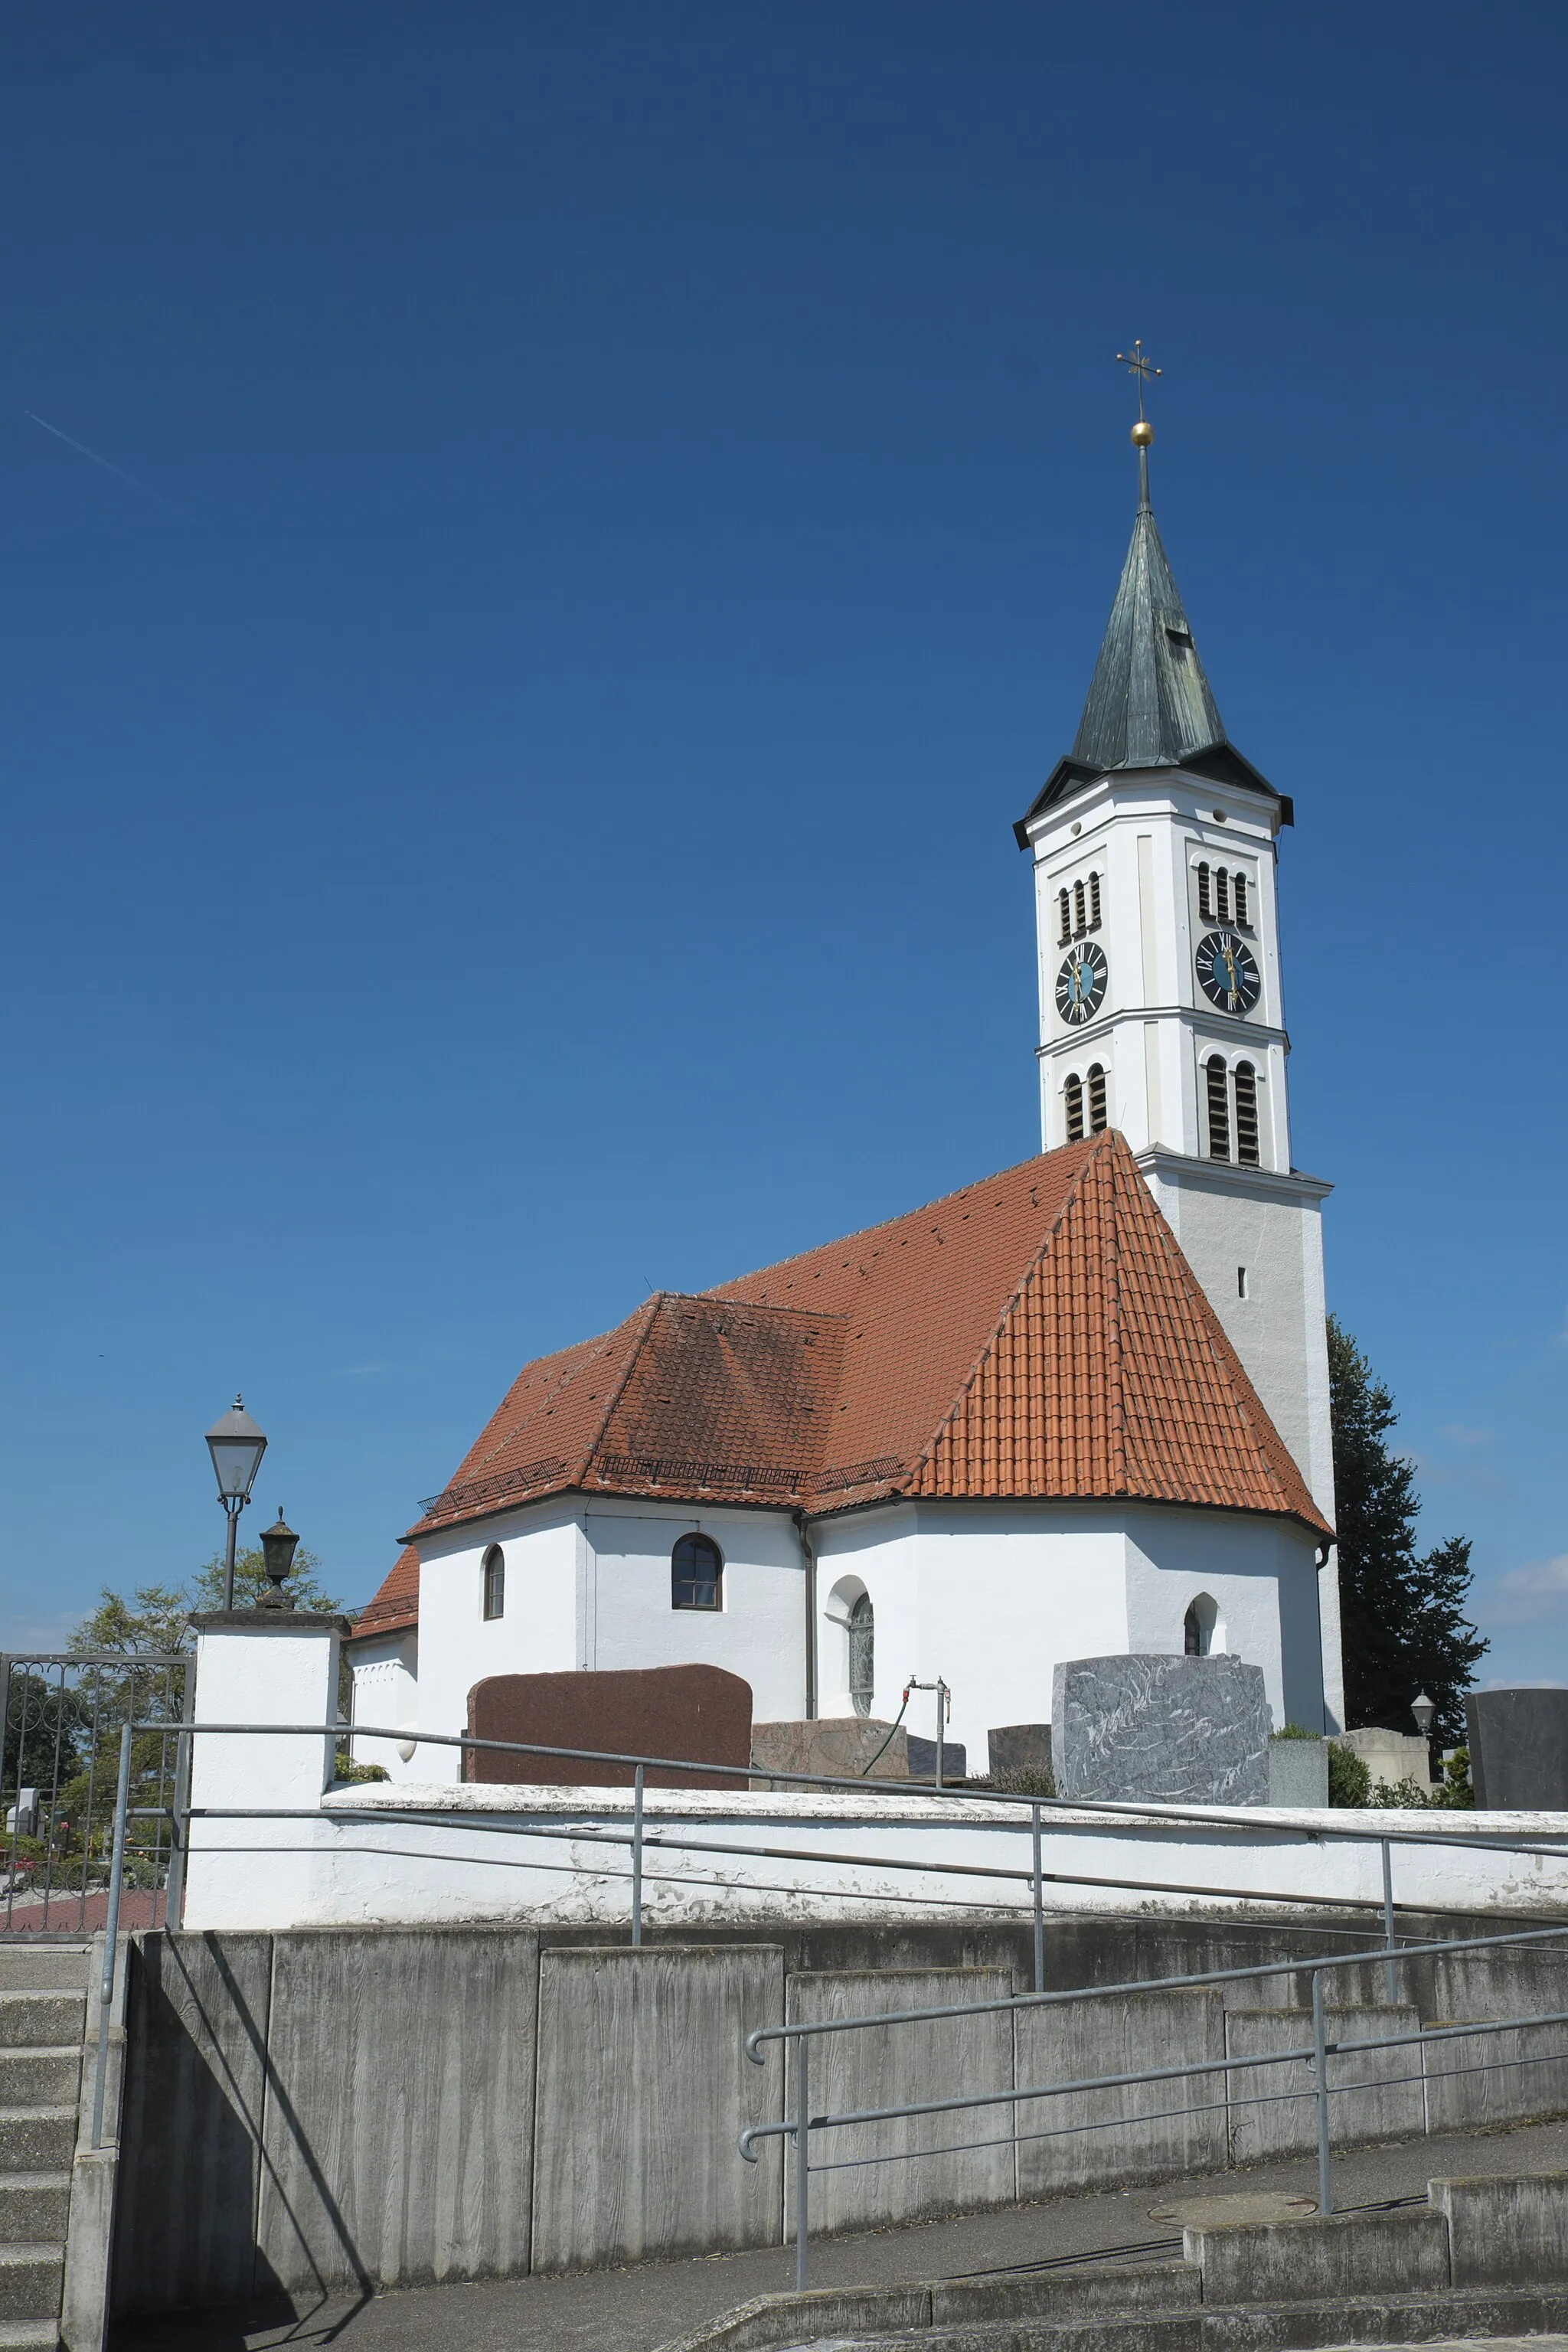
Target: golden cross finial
(1138, 363)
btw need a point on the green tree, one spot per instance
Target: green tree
(1401, 1613)
(156, 1616)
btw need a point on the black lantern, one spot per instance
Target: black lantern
(278, 1545)
(237, 1446)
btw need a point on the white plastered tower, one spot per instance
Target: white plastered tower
(1155, 847)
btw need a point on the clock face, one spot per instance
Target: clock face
(1227, 972)
(1081, 984)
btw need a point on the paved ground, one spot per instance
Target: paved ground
(639, 2310)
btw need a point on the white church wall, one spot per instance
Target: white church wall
(459, 1646)
(1261, 1577)
(385, 1668)
(757, 1632)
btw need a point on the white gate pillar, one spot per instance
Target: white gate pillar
(259, 1667)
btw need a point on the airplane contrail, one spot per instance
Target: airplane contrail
(82, 447)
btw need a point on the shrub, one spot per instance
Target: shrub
(1350, 1782)
(349, 1773)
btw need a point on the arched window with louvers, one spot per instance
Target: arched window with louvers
(1247, 1114)
(1072, 1093)
(1064, 914)
(1205, 892)
(1218, 1093)
(1096, 1119)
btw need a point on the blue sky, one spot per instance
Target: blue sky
(510, 803)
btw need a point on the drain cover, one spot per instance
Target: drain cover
(1220, 2212)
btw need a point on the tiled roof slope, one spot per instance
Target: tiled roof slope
(396, 1605)
(1038, 1334)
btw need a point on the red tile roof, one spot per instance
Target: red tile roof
(396, 1605)
(1038, 1334)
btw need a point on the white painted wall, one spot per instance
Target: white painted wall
(991, 1596)
(282, 1671)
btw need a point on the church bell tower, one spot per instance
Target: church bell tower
(1155, 847)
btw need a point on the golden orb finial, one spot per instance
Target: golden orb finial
(1143, 434)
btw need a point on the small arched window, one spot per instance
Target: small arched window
(1247, 1114)
(1222, 894)
(1094, 902)
(1079, 921)
(1198, 1626)
(1064, 909)
(696, 1574)
(1096, 1098)
(1073, 1090)
(494, 1579)
(1241, 900)
(1206, 900)
(1219, 1107)
(862, 1654)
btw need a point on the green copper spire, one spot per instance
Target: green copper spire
(1149, 702)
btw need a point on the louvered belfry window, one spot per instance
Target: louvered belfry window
(1247, 1114)
(1205, 894)
(1240, 880)
(1094, 902)
(1074, 1093)
(1222, 894)
(1064, 907)
(1096, 1100)
(1219, 1108)
(1079, 921)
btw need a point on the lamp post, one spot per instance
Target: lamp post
(237, 1446)
(1425, 1712)
(279, 1544)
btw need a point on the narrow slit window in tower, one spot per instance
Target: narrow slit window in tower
(1074, 1092)
(1096, 1098)
(1206, 901)
(1064, 907)
(1219, 1108)
(1247, 1114)
(1241, 900)
(1079, 921)
(1094, 902)
(1222, 894)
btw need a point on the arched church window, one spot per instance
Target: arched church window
(1241, 900)
(1064, 907)
(862, 1654)
(493, 1575)
(1080, 920)
(1199, 1625)
(1219, 1107)
(1205, 896)
(1247, 1114)
(1096, 1098)
(1074, 1093)
(1222, 894)
(1094, 902)
(696, 1574)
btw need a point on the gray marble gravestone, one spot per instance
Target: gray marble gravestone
(1182, 1730)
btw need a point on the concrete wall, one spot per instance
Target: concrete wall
(1374, 2094)
(644, 2089)
(313, 2111)
(948, 2058)
(1083, 2040)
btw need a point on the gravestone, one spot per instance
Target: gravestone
(698, 1712)
(1177, 1730)
(837, 1746)
(922, 1760)
(1019, 1748)
(1519, 1750)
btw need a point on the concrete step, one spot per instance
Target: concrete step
(40, 2077)
(36, 2139)
(30, 2282)
(29, 2018)
(34, 2208)
(33, 1967)
(29, 2336)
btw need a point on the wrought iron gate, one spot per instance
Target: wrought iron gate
(60, 1719)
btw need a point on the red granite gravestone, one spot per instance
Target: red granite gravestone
(696, 1711)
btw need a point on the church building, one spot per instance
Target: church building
(1077, 1408)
